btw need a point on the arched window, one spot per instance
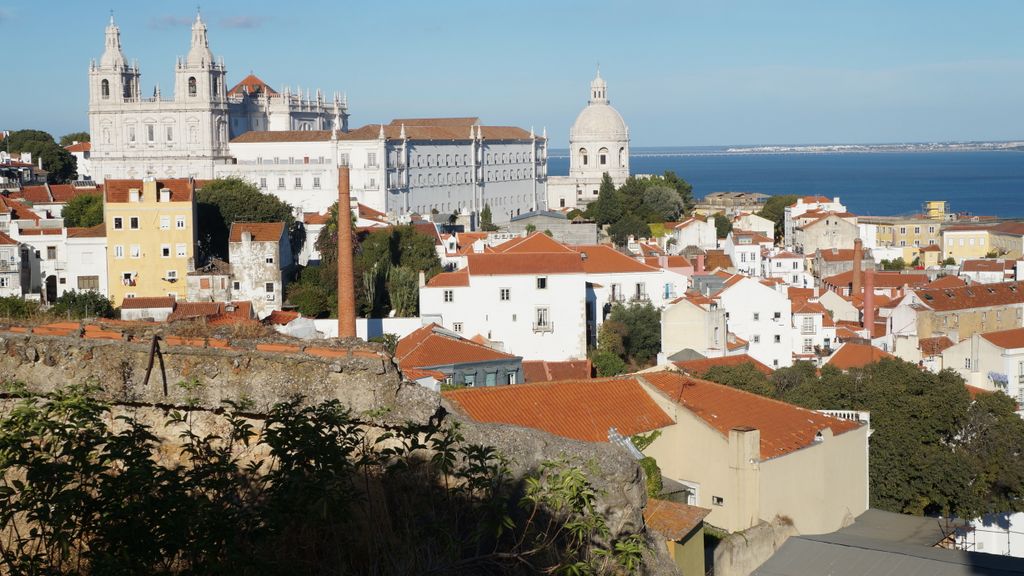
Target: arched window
(583, 156)
(448, 160)
(191, 85)
(105, 88)
(602, 155)
(622, 157)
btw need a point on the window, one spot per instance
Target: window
(118, 251)
(131, 133)
(150, 133)
(583, 156)
(506, 294)
(263, 183)
(171, 275)
(4, 282)
(796, 265)
(135, 251)
(469, 379)
(179, 222)
(449, 295)
(807, 325)
(967, 363)
(718, 501)
(316, 182)
(542, 282)
(756, 339)
(118, 223)
(778, 339)
(757, 316)
(269, 287)
(170, 133)
(88, 282)
(133, 222)
(192, 86)
(51, 252)
(808, 346)
(280, 183)
(543, 318)
(298, 183)
(165, 222)
(236, 285)
(371, 159)
(165, 250)
(105, 89)
(457, 327)
(777, 316)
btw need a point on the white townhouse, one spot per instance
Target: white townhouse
(807, 204)
(754, 223)
(992, 361)
(260, 256)
(745, 248)
(86, 259)
(693, 231)
(813, 330)
(532, 305)
(788, 267)
(760, 315)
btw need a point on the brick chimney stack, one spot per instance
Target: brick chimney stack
(858, 263)
(346, 282)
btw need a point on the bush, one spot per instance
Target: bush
(15, 307)
(607, 363)
(84, 304)
(84, 211)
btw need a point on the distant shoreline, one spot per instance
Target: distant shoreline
(673, 151)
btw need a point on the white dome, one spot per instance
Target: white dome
(598, 121)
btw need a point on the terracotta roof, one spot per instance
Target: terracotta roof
(603, 259)
(672, 519)
(836, 254)
(251, 85)
(700, 366)
(671, 262)
(714, 259)
(579, 409)
(189, 310)
(986, 265)
(1013, 338)
(812, 200)
(41, 231)
(79, 147)
(934, 346)
(930, 248)
(63, 193)
(34, 194)
(417, 374)
(450, 279)
(261, 231)
(6, 240)
(429, 230)
(974, 296)
(281, 317)
(853, 355)
(946, 282)
(537, 242)
(259, 136)
(1011, 228)
(785, 254)
(117, 190)
(368, 213)
(18, 210)
(533, 263)
(784, 428)
(882, 279)
(466, 121)
(432, 345)
(391, 132)
(545, 371)
(799, 294)
(147, 302)
(755, 237)
(734, 342)
(233, 313)
(974, 391)
(691, 220)
(314, 218)
(651, 249)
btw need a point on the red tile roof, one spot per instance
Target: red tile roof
(1013, 338)
(853, 355)
(432, 131)
(281, 317)
(450, 279)
(836, 254)
(700, 366)
(34, 194)
(261, 231)
(946, 282)
(603, 259)
(974, 296)
(934, 346)
(545, 371)
(881, 279)
(671, 262)
(79, 147)
(314, 218)
(368, 213)
(987, 265)
(784, 428)
(536, 242)
(117, 190)
(714, 259)
(63, 193)
(432, 346)
(251, 85)
(534, 263)
(6, 240)
(672, 519)
(147, 302)
(18, 210)
(190, 310)
(97, 231)
(578, 409)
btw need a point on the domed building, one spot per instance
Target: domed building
(598, 144)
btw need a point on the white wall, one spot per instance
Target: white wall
(749, 297)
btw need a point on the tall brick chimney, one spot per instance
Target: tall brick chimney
(869, 301)
(346, 281)
(858, 263)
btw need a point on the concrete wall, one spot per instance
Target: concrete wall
(561, 228)
(741, 553)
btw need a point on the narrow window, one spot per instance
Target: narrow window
(192, 86)
(105, 89)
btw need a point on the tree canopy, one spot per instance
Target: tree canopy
(69, 139)
(629, 225)
(83, 210)
(60, 164)
(631, 333)
(775, 210)
(224, 201)
(933, 451)
(84, 304)
(649, 199)
(486, 219)
(722, 225)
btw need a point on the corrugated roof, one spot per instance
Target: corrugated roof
(261, 231)
(784, 428)
(579, 409)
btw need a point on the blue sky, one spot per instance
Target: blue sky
(686, 72)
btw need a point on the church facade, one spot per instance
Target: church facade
(187, 134)
(598, 145)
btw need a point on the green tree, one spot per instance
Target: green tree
(722, 225)
(949, 261)
(607, 363)
(18, 139)
(69, 139)
(895, 264)
(530, 228)
(310, 294)
(775, 210)
(743, 376)
(224, 201)
(629, 225)
(607, 209)
(84, 304)
(641, 334)
(663, 203)
(486, 219)
(58, 162)
(83, 210)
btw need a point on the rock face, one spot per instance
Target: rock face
(259, 377)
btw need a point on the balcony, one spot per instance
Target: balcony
(539, 327)
(373, 166)
(615, 297)
(852, 415)
(639, 297)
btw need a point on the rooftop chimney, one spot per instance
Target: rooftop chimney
(869, 301)
(346, 278)
(858, 262)
(700, 264)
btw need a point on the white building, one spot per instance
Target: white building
(745, 248)
(813, 330)
(807, 204)
(762, 316)
(448, 165)
(133, 136)
(754, 223)
(693, 231)
(11, 259)
(786, 266)
(260, 255)
(86, 259)
(82, 151)
(991, 361)
(598, 145)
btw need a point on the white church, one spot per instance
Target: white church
(187, 134)
(598, 145)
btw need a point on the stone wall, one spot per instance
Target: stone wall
(740, 553)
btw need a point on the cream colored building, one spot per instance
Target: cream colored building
(965, 242)
(150, 237)
(992, 361)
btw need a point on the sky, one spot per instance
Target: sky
(681, 73)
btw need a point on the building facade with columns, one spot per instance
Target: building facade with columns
(598, 145)
(187, 134)
(408, 166)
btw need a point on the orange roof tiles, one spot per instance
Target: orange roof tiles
(702, 365)
(18, 209)
(97, 231)
(672, 519)
(579, 409)
(314, 218)
(547, 371)
(714, 259)
(602, 259)
(117, 190)
(281, 317)
(432, 345)
(986, 265)
(881, 279)
(784, 428)
(1013, 338)
(853, 355)
(670, 262)
(251, 85)
(946, 282)
(450, 279)
(537, 242)
(34, 194)
(836, 254)
(189, 310)
(393, 131)
(974, 296)
(261, 231)
(79, 147)
(148, 302)
(532, 263)
(6, 240)
(368, 213)
(934, 346)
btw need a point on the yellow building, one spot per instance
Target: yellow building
(150, 236)
(964, 242)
